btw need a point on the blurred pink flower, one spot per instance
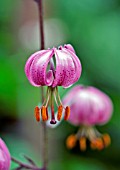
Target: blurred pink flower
(53, 67)
(5, 158)
(89, 106)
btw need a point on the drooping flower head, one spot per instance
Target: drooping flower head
(5, 158)
(53, 67)
(89, 106)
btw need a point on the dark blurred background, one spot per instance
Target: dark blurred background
(93, 28)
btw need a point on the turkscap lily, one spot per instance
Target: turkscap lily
(5, 158)
(89, 107)
(53, 67)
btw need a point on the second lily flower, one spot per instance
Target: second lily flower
(53, 67)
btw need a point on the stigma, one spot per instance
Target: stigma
(88, 136)
(47, 109)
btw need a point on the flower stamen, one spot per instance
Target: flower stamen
(90, 134)
(99, 143)
(44, 113)
(106, 140)
(53, 121)
(71, 141)
(59, 114)
(67, 113)
(37, 113)
(82, 143)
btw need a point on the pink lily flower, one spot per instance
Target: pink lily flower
(5, 158)
(89, 107)
(53, 67)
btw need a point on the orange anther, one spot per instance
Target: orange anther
(67, 113)
(44, 113)
(93, 145)
(82, 143)
(99, 143)
(71, 141)
(106, 139)
(37, 113)
(59, 115)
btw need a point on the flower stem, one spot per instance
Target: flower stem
(42, 43)
(27, 166)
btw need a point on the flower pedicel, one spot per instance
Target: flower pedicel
(89, 107)
(53, 67)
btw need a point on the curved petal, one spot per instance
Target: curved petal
(68, 98)
(69, 47)
(77, 64)
(65, 69)
(105, 105)
(6, 155)
(38, 69)
(29, 63)
(49, 78)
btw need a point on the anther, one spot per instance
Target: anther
(99, 143)
(59, 114)
(71, 141)
(67, 113)
(93, 145)
(37, 113)
(82, 142)
(106, 139)
(44, 113)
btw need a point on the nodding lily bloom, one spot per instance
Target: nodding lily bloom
(89, 107)
(53, 67)
(5, 158)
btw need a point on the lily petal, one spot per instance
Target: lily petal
(66, 68)
(29, 63)
(76, 61)
(38, 67)
(69, 47)
(5, 156)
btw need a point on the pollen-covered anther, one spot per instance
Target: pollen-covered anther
(37, 113)
(99, 143)
(44, 113)
(71, 141)
(67, 113)
(59, 114)
(106, 140)
(82, 143)
(93, 145)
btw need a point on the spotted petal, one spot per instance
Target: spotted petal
(69, 47)
(68, 68)
(36, 68)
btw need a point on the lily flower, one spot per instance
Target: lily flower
(89, 107)
(5, 158)
(53, 67)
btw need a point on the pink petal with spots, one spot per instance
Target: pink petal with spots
(36, 68)
(69, 47)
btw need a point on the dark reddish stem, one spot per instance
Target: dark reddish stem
(33, 166)
(23, 165)
(42, 43)
(40, 5)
